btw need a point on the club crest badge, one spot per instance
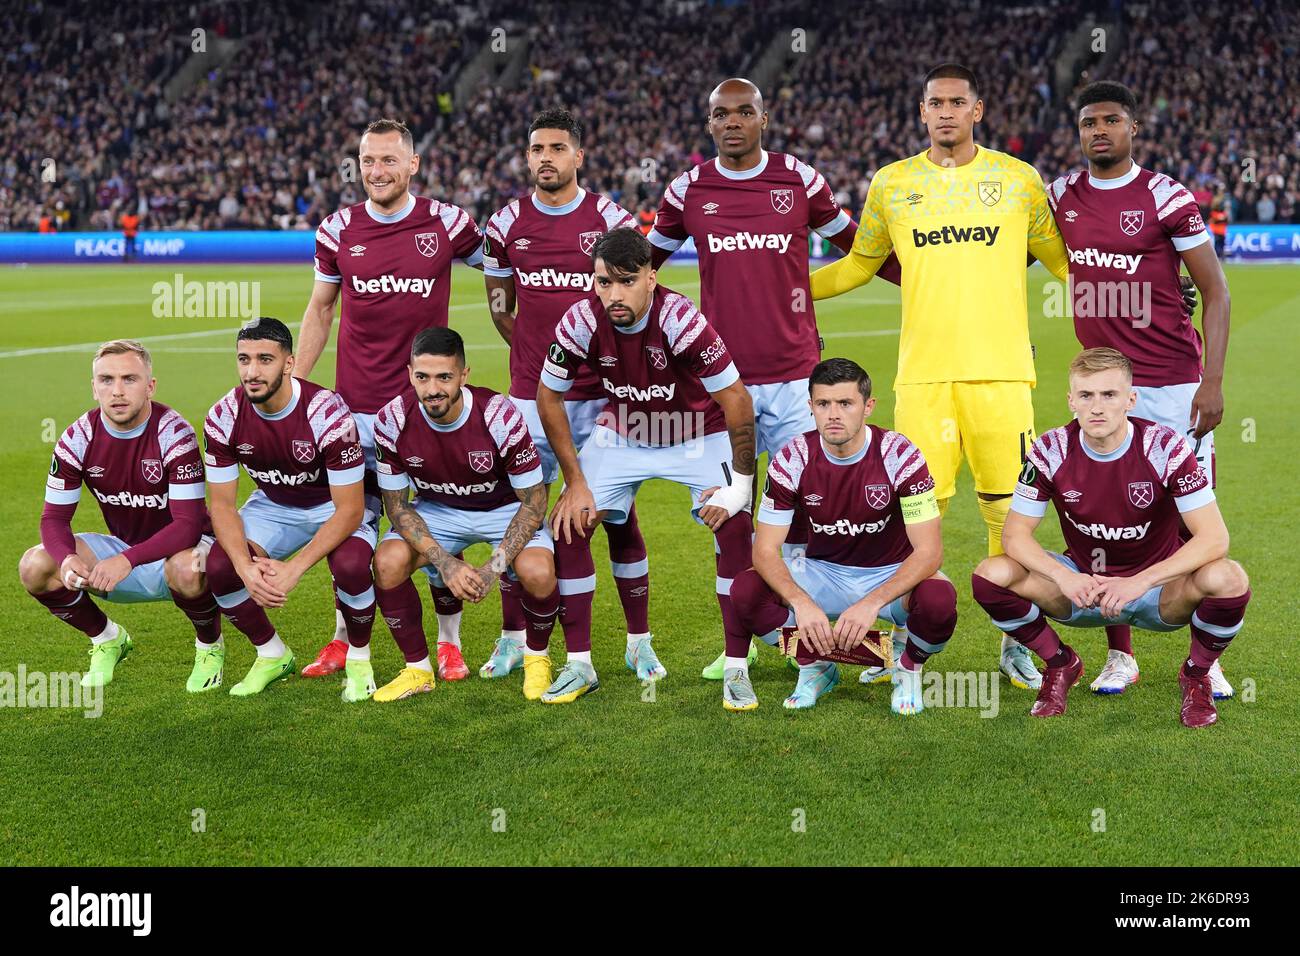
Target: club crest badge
(587, 241)
(481, 461)
(657, 357)
(427, 244)
(1130, 221)
(782, 200)
(152, 469)
(303, 451)
(878, 496)
(1140, 493)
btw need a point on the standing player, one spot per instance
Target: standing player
(961, 219)
(391, 259)
(1128, 229)
(874, 548)
(537, 264)
(141, 461)
(677, 410)
(750, 212)
(1120, 486)
(298, 443)
(467, 452)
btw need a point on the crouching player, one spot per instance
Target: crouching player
(141, 461)
(1119, 486)
(298, 443)
(875, 546)
(477, 478)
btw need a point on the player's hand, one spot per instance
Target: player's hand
(73, 573)
(463, 580)
(852, 627)
(487, 576)
(815, 627)
(109, 573)
(282, 575)
(726, 501)
(1077, 587)
(262, 587)
(1207, 408)
(575, 511)
(712, 515)
(1188, 290)
(1114, 593)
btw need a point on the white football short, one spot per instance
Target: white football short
(582, 419)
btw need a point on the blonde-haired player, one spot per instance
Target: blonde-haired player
(961, 220)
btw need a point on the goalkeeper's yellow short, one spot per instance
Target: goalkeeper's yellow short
(990, 424)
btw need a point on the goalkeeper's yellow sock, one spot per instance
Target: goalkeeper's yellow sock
(995, 516)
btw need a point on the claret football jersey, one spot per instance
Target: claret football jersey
(473, 464)
(1118, 511)
(547, 251)
(294, 455)
(857, 508)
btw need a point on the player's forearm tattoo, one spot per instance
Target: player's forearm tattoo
(414, 531)
(742, 447)
(529, 517)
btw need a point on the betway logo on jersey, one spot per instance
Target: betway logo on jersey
(744, 241)
(1107, 533)
(948, 235)
(421, 287)
(640, 394)
(1105, 260)
(451, 488)
(555, 279)
(125, 499)
(845, 526)
(276, 477)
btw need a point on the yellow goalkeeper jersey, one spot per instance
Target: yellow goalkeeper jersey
(961, 235)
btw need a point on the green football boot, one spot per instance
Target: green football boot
(106, 656)
(209, 665)
(264, 671)
(359, 683)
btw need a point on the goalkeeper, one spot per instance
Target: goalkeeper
(961, 220)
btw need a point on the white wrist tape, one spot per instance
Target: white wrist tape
(734, 497)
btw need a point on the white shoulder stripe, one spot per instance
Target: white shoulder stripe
(788, 466)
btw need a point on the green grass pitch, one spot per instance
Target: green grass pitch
(474, 774)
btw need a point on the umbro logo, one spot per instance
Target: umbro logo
(415, 462)
(1071, 215)
(1072, 496)
(393, 621)
(244, 449)
(915, 198)
(812, 500)
(358, 250)
(522, 243)
(608, 360)
(95, 471)
(710, 208)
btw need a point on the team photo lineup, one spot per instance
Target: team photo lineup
(950, 425)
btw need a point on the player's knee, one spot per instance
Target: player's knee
(184, 573)
(220, 570)
(350, 565)
(998, 570)
(36, 569)
(1224, 578)
(934, 603)
(747, 589)
(391, 564)
(535, 568)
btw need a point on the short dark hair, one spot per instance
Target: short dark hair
(953, 71)
(1107, 91)
(265, 327)
(392, 126)
(557, 118)
(624, 251)
(835, 371)
(438, 341)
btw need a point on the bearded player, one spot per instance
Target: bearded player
(1122, 488)
(1128, 230)
(140, 459)
(298, 443)
(390, 259)
(962, 220)
(750, 213)
(874, 547)
(537, 264)
(467, 453)
(677, 410)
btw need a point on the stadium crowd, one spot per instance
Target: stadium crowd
(263, 140)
